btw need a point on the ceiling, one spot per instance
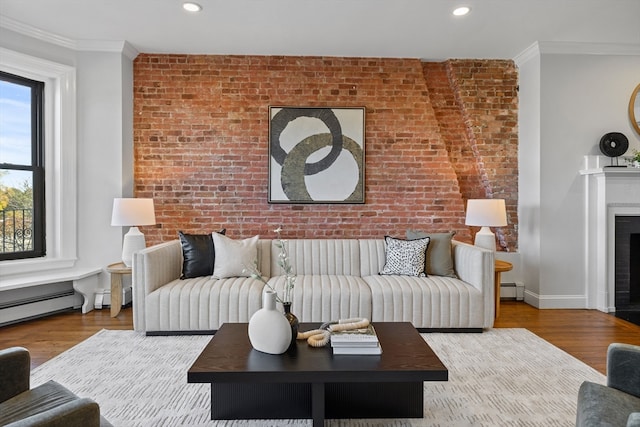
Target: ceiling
(423, 29)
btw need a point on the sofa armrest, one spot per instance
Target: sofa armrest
(153, 268)
(15, 370)
(476, 266)
(623, 368)
(82, 412)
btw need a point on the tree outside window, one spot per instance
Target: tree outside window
(21, 168)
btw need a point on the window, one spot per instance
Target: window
(22, 218)
(59, 168)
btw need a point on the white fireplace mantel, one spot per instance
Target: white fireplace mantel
(608, 192)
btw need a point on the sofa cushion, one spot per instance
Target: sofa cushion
(202, 303)
(405, 257)
(426, 302)
(198, 254)
(439, 257)
(234, 258)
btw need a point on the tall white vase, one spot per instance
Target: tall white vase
(269, 330)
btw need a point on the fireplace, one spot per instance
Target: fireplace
(612, 237)
(627, 263)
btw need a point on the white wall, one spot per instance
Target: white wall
(529, 167)
(105, 139)
(582, 96)
(104, 130)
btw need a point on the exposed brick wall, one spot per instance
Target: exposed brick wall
(475, 102)
(201, 145)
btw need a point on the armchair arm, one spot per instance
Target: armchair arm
(623, 368)
(77, 413)
(475, 266)
(15, 370)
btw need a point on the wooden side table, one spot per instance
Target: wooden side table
(500, 267)
(117, 270)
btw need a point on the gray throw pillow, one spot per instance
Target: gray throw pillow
(405, 257)
(439, 258)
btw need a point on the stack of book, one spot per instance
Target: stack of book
(357, 341)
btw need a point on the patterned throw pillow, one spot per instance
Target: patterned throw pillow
(405, 257)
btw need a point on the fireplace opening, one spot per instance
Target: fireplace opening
(627, 263)
(634, 269)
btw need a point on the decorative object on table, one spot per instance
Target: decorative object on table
(297, 173)
(293, 322)
(486, 213)
(132, 213)
(269, 330)
(289, 283)
(320, 337)
(614, 145)
(634, 109)
(357, 341)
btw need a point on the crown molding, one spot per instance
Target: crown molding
(527, 54)
(36, 33)
(580, 48)
(123, 46)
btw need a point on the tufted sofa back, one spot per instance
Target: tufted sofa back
(319, 257)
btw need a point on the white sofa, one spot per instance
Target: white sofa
(336, 278)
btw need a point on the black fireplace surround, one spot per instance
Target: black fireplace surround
(627, 265)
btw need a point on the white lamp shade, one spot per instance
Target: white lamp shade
(133, 212)
(486, 213)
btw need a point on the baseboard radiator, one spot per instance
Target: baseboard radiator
(18, 305)
(512, 291)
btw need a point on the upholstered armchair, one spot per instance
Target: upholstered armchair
(49, 404)
(617, 403)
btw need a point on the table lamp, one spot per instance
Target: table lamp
(132, 213)
(486, 213)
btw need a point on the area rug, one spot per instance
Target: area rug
(502, 377)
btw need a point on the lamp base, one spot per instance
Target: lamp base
(485, 239)
(133, 242)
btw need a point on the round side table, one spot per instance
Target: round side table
(500, 267)
(117, 270)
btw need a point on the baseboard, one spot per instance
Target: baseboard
(555, 301)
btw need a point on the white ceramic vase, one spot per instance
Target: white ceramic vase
(269, 330)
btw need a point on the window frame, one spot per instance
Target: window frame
(60, 166)
(36, 167)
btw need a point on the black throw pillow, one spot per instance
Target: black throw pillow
(198, 254)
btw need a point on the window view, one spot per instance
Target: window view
(21, 168)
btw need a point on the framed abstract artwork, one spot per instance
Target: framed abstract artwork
(316, 155)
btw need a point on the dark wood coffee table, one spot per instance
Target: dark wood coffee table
(309, 382)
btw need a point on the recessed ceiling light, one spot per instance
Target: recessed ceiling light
(461, 11)
(191, 7)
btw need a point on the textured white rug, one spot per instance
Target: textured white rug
(503, 377)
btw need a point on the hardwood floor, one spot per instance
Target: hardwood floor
(585, 334)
